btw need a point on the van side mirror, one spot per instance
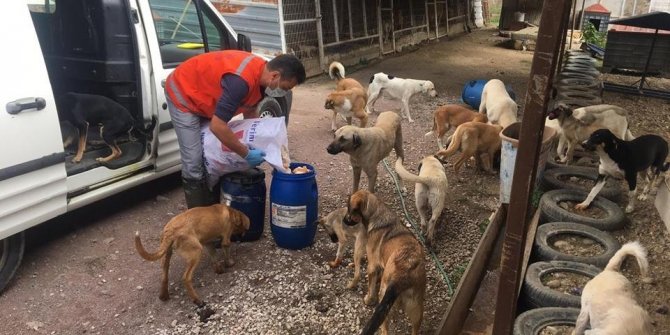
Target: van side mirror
(243, 42)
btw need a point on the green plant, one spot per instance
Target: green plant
(535, 197)
(591, 35)
(458, 272)
(483, 225)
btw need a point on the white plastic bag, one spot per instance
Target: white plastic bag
(267, 134)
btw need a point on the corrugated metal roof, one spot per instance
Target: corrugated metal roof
(259, 21)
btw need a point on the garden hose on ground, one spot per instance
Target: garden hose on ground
(417, 231)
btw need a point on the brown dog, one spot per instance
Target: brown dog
(339, 233)
(187, 233)
(452, 115)
(395, 259)
(349, 98)
(474, 139)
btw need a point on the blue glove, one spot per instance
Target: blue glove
(255, 157)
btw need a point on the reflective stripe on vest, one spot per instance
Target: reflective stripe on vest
(243, 65)
(177, 93)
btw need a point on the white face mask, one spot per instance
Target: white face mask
(275, 92)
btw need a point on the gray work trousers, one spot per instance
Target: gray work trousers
(187, 127)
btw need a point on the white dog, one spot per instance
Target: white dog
(398, 89)
(497, 104)
(608, 303)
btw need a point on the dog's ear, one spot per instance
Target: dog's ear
(357, 141)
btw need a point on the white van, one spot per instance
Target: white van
(122, 49)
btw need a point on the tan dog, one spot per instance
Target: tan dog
(452, 115)
(339, 233)
(349, 98)
(474, 139)
(395, 260)
(578, 124)
(187, 234)
(608, 301)
(497, 104)
(367, 146)
(430, 190)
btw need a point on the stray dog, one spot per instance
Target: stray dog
(339, 233)
(349, 99)
(398, 89)
(367, 146)
(619, 158)
(190, 231)
(474, 139)
(499, 107)
(577, 125)
(84, 109)
(608, 301)
(430, 190)
(395, 259)
(453, 115)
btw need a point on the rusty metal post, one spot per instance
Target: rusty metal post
(549, 40)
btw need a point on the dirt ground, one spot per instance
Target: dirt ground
(81, 273)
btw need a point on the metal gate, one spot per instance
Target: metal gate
(302, 32)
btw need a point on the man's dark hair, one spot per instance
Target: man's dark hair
(289, 66)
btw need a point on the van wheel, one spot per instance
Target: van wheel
(533, 321)
(11, 254)
(269, 107)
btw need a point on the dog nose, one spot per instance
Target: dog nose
(332, 149)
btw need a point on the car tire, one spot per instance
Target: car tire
(11, 254)
(592, 160)
(269, 107)
(551, 211)
(545, 252)
(533, 321)
(551, 180)
(538, 295)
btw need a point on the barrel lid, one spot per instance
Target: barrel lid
(250, 176)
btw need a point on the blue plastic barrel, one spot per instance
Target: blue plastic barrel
(294, 206)
(472, 92)
(246, 192)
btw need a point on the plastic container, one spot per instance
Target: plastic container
(246, 192)
(294, 207)
(472, 92)
(510, 145)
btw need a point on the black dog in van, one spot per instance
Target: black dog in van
(83, 110)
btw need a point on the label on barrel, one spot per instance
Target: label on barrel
(289, 216)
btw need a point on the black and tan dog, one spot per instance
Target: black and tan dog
(619, 158)
(395, 260)
(367, 146)
(188, 233)
(83, 110)
(340, 233)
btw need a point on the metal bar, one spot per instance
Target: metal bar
(411, 14)
(446, 14)
(607, 86)
(300, 21)
(574, 16)
(410, 28)
(392, 26)
(351, 27)
(282, 28)
(350, 40)
(319, 33)
(365, 19)
(437, 23)
(456, 18)
(380, 29)
(458, 309)
(532, 128)
(337, 28)
(646, 66)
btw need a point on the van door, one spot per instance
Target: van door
(32, 160)
(177, 30)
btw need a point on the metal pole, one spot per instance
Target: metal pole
(380, 28)
(581, 15)
(446, 14)
(646, 66)
(574, 16)
(530, 139)
(634, 7)
(437, 24)
(411, 14)
(392, 25)
(365, 19)
(337, 28)
(351, 28)
(319, 33)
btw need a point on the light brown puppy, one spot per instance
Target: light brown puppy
(474, 139)
(187, 234)
(430, 191)
(452, 115)
(349, 98)
(608, 300)
(339, 233)
(367, 146)
(396, 268)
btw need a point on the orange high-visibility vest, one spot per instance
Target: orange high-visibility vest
(195, 85)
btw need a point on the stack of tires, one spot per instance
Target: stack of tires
(578, 83)
(547, 296)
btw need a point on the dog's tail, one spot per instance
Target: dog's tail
(406, 175)
(166, 243)
(630, 249)
(454, 145)
(336, 71)
(629, 136)
(665, 167)
(147, 132)
(382, 309)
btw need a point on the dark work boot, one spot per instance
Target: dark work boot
(198, 194)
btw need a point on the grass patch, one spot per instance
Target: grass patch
(494, 15)
(483, 225)
(456, 274)
(535, 197)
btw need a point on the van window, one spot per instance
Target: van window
(180, 34)
(42, 6)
